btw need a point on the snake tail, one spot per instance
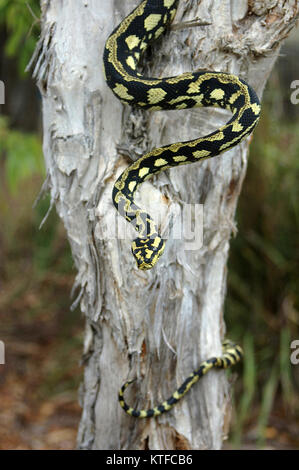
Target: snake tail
(231, 355)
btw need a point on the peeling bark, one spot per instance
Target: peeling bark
(158, 325)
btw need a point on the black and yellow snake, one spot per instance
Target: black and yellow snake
(203, 88)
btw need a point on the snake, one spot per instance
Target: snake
(122, 53)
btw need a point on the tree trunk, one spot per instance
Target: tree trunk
(156, 325)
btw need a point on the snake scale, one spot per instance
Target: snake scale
(122, 53)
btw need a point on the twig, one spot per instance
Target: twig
(189, 24)
(36, 19)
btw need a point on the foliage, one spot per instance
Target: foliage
(20, 20)
(21, 153)
(263, 296)
(43, 338)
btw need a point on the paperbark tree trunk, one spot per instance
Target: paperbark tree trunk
(156, 325)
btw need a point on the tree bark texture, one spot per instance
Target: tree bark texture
(157, 325)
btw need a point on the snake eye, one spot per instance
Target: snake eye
(147, 251)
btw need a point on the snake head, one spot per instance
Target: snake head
(147, 251)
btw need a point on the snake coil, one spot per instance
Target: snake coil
(122, 53)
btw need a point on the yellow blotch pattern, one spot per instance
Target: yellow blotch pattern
(122, 91)
(256, 108)
(132, 41)
(155, 95)
(143, 171)
(237, 127)
(193, 87)
(132, 185)
(181, 106)
(151, 21)
(217, 94)
(201, 153)
(218, 136)
(160, 162)
(180, 158)
(131, 62)
(159, 32)
(168, 3)
(234, 97)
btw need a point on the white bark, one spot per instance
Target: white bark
(158, 325)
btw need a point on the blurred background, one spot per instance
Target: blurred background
(43, 338)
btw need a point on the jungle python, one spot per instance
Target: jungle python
(203, 88)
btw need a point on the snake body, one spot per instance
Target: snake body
(122, 52)
(231, 354)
